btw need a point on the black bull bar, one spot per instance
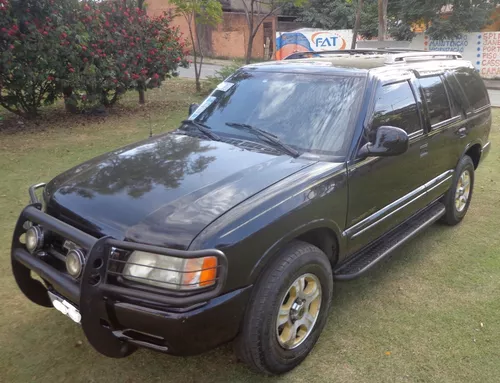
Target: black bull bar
(94, 294)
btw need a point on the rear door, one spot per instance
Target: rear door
(445, 125)
(384, 191)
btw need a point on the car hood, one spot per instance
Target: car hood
(165, 190)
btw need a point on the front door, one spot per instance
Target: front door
(384, 191)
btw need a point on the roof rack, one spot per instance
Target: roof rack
(360, 51)
(421, 56)
(394, 55)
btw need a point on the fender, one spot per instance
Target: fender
(271, 253)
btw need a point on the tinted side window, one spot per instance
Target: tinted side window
(473, 87)
(396, 106)
(436, 98)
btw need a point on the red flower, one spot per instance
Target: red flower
(86, 7)
(156, 76)
(84, 97)
(71, 70)
(45, 33)
(84, 48)
(50, 78)
(85, 59)
(123, 65)
(11, 46)
(178, 59)
(115, 80)
(135, 76)
(64, 35)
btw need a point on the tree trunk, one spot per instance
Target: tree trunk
(142, 98)
(249, 50)
(382, 19)
(357, 24)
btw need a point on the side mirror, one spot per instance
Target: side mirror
(192, 108)
(389, 141)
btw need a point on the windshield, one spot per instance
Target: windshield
(311, 113)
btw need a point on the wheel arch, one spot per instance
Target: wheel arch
(474, 151)
(324, 234)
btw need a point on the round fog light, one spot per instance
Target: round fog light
(34, 238)
(74, 262)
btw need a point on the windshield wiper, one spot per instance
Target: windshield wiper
(205, 129)
(269, 137)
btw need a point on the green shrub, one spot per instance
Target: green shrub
(222, 74)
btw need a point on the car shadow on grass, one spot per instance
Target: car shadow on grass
(49, 347)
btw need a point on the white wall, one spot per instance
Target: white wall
(480, 48)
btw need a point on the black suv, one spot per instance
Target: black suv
(291, 175)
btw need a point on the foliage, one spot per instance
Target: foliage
(463, 15)
(222, 74)
(33, 52)
(89, 51)
(256, 11)
(198, 13)
(329, 14)
(122, 49)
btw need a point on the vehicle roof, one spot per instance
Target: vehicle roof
(361, 64)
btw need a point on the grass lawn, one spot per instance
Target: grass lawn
(430, 314)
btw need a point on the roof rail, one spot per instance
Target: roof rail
(395, 58)
(361, 51)
(394, 55)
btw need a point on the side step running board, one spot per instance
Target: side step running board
(368, 257)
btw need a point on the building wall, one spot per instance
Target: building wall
(228, 39)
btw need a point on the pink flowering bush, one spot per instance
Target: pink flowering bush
(90, 52)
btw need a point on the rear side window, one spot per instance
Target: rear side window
(436, 99)
(473, 87)
(396, 106)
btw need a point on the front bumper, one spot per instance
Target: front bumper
(117, 318)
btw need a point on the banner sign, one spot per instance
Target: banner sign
(308, 40)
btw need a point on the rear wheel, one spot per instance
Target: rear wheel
(458, 198)
(288, 310)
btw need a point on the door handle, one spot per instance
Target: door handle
(462, 132)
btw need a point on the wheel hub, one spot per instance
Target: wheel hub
(299, 311)
(462, 192)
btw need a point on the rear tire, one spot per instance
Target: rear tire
(458, 197)
(287, 311)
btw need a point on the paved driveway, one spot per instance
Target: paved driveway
(494, 97)
(206, 70)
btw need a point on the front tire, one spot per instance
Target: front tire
(457, 199)
(288, 310)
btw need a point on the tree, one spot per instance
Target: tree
(357, 23)
(382, 19)
(124, 49)
(443, 19)
(197, 13)
(328, 14)
(256, 11)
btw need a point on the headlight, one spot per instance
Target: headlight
(75, 259)
(171, 272)
(34, 238)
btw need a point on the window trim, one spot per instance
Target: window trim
(419, 111)
(471, 109)
(439, 124)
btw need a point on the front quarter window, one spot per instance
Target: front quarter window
(311, 113)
